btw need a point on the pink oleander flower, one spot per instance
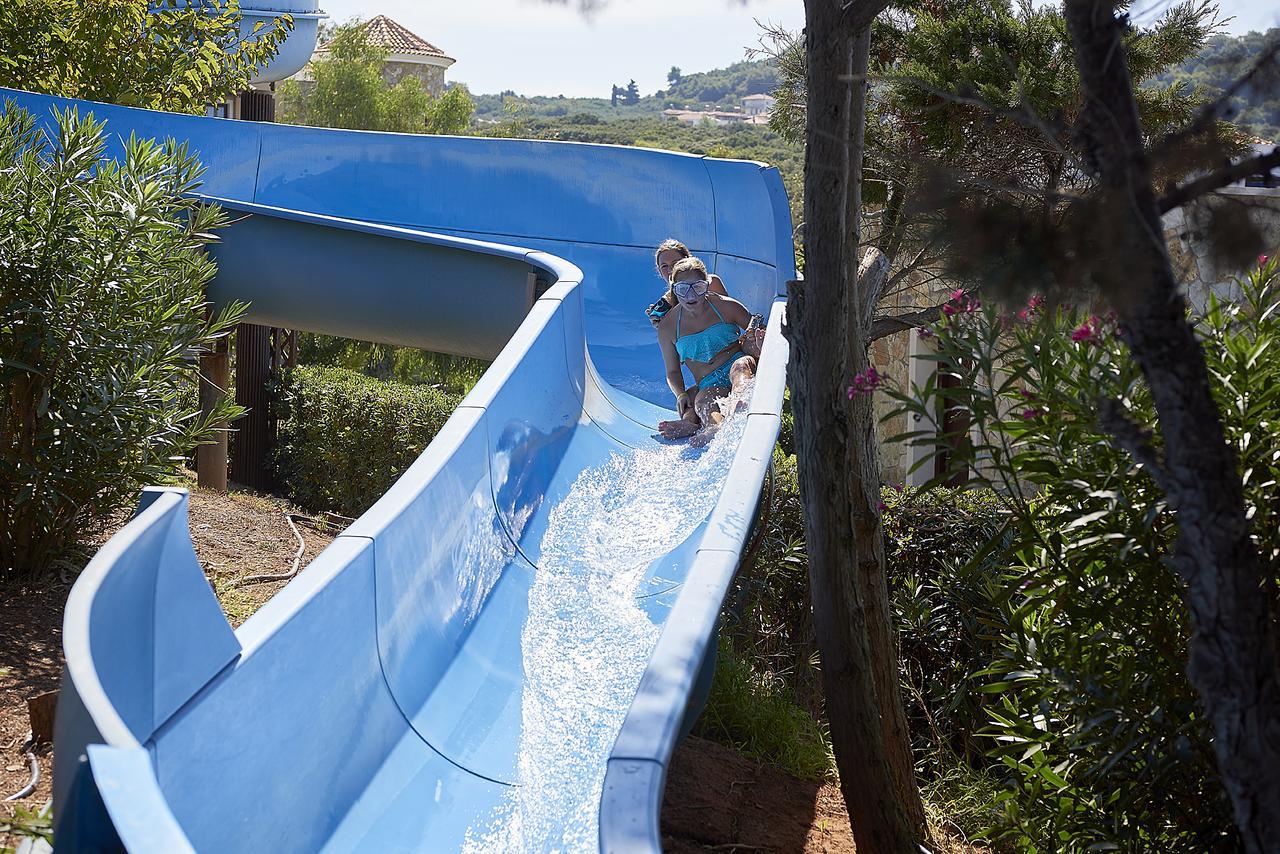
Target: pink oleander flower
(1023, 315)
(1029, 414)
(924, 332)
(864, 383)
(959, 302)
(881, 506)
(1026, 395)
(1035, 303)
(1263, 259)
(1089, 332)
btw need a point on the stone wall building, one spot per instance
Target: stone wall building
(408, 55)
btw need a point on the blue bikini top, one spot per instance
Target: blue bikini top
(703, 346)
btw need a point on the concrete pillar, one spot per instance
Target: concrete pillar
(920, 371)
(215, 382)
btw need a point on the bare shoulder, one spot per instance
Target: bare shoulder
(729, 306)
(717, 285)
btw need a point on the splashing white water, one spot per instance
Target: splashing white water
(586, 641)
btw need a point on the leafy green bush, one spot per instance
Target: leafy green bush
(943, 549)
(102, 278)
(408, 365)
(937, 545)
(168, 55)
(349, 90)
(344, 438)
(1096, 727)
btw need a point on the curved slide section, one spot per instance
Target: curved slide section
(501, 653)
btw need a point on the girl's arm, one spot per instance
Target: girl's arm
(716, 285)
(675, 376)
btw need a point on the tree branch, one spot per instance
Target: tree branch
(1184, 193)
(859, 15)
(873, 271)
(885, 326)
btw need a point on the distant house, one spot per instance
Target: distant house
(1269, 180)
(755, 111)
(408, 54)
(717, 117)
(758, 105)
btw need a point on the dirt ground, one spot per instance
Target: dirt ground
(716, 800)
(235, 536)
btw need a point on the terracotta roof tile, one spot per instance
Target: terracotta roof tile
(385, 33)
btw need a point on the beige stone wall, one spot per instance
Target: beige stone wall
(891, 356)
(1189, 250)
(432, 76)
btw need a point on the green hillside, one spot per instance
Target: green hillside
(745, 142)
(721, 88)
(1226, 59)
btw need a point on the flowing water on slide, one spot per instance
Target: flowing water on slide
(587, 639)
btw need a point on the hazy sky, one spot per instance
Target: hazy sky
(543, 48)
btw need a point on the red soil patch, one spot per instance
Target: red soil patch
(718, 800)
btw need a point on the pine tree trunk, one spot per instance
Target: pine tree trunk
(837, 455)
(1233, 661)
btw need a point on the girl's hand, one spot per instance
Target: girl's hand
(683, 404)
(751, 341)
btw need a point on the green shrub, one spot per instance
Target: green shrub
(937, 546)
(102, 278)
(344, 438)
(769, 616)
(409, 365)
(943, 549)
(1097, 731)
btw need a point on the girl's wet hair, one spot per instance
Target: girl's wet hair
(686, 264)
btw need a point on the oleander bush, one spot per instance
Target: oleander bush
(1093, 726)
(102, 313)
(941, 545)
(345, 437)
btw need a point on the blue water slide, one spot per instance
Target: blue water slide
(502, 653)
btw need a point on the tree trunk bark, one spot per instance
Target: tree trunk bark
(838, 465)
(1233, 663)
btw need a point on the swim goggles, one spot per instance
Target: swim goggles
(686, 289)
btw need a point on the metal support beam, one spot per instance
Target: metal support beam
(250, 454)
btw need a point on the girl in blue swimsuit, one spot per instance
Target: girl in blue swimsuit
(704, 331)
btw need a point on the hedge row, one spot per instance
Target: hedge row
(343, 438)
